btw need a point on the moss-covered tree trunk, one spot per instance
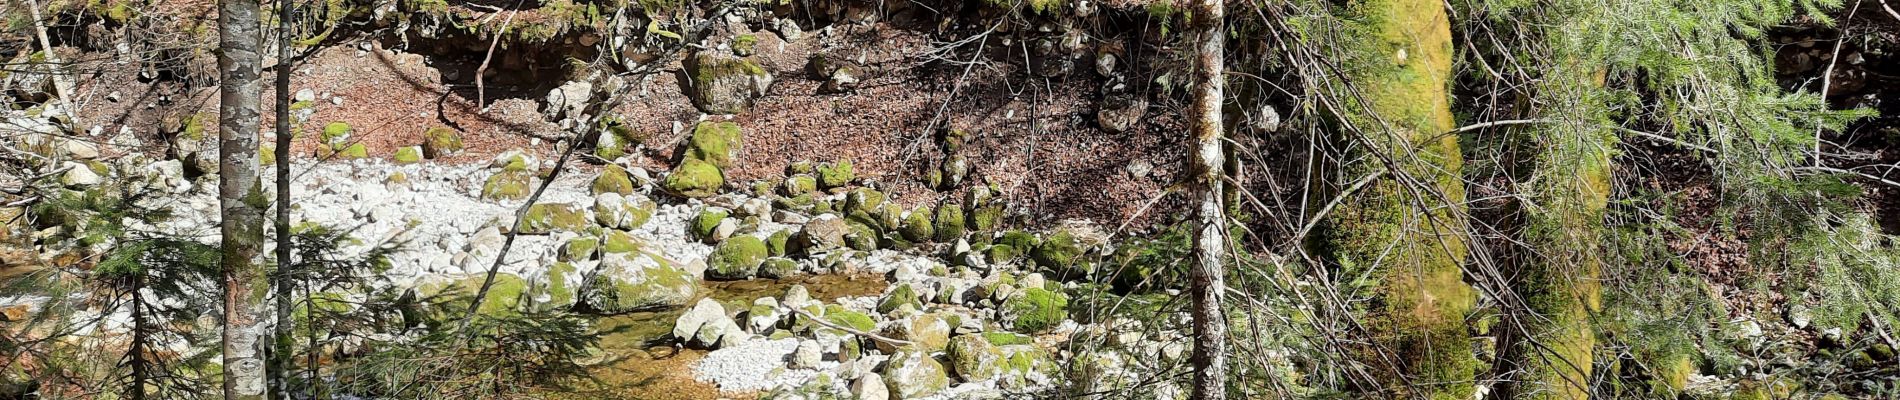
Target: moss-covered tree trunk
(1404, 230)
(241, 200)
(1207, 273)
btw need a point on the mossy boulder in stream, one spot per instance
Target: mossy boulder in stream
(695, 178)
(546, 218)
(898, 298)
(579, 249)
(736, 258)
(778, 268)
(975, 359)
(918, 226)
(930, 332)
(559, 289)
(636, 281)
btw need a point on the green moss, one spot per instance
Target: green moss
(618, 241)
(776, 245)
(736, 258)
(507, 185)
(986, 218)
(544, 218)
(800, 185)
(1006, 338)
(949, 222)
(918, 226)
(862, 237)
(560, 294)
(837, 314)
(335, 134)
(695, 178)
(579, 249)
(440, 141)
(408, 155)
(742, 45)
(661, 286)
(835, 175)
(503, 297)
(902, 295)
(708, 69)
(778, 268)
(614, 179)
(707, 220)
(1036, 310)
(354, 151)
(715, 142)
(1059, 252)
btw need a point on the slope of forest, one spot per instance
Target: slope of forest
(938, 199)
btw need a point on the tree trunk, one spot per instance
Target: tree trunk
(62, 82)
(1404, 230)
(1210, 239)
(241, 200)
(281, 360)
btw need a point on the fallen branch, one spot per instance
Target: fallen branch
(481, 92)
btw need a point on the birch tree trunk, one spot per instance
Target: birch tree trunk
(1206, 274)
(62, 82)
(241, 200)
(1405, 231)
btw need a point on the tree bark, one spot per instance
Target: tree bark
(241, 200)
(281, 360)
(1210, 239)
(1405, 229)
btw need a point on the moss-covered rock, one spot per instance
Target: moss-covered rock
(695, 178)
(638, 281)
(545, 218)
(628, 212)
(721, 84)
(930, 332)
(616, 139)
(918, 226)
(707, 221)
(440, 141)
(736, 258)
(508, 185)
(1036, 310)
(799, 185)
(778, 244)
(778, 268)
(579, 249)
(975, 359)
(986, 218)
(408, 155)
(503, 297)
(862, 237)
(838, 315)
(835, 175)
(614, 179)
(715, 142)
(912, 373)
(1001, 254)
(824, 233)
(898, 298)
(618, 241)
(866, 200)
(949, 222)
(1060, 252)
(559, 290)
(352, 151)
(336, 135)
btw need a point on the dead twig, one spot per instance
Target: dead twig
(872, 336)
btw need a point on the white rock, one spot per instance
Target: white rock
(689, 322)
(79, 175)
(306, 94)
(82, 150)
(808, 355)
(870, 387)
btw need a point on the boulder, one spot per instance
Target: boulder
(408, 155)
(628, 212)
(975, 359)
(930, 332)
(707, 222)
(503, 296)
(778, 268)
(695, 178)
(763, 315)
(738, 258)
(545, 218)
(614, 179)
(690, 321)
(949, 222)
(440, 141)
(807, 355)
(912, 373)
(79, 175)
(835, 175)
(870, 387)
(721, 84)
(508, 185)
(1035, 310)
(715, 142)
(637, 281)
(898, 297)
(824, 233)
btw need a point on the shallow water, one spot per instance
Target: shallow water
(645, 366)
